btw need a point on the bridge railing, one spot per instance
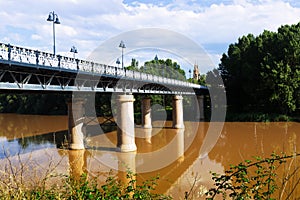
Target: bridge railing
(35, 57)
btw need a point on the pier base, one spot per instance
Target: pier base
(76, 123)
(146, 113)
(177, 112)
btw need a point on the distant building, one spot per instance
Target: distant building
(196, 74)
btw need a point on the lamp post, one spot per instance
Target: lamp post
(54, 19)
(118, 62)
(122, 45)
(73, 50)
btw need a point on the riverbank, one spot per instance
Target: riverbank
(260, 117)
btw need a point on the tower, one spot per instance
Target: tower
(196, 74)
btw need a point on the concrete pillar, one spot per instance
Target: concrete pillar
(177, 112)
(200, 114)
(125, 121)
(146, 113)
(76, 123)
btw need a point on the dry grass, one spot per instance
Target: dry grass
(26, 176)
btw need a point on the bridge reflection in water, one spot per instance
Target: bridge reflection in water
(238, 141)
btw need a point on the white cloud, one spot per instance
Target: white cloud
(87, 24)
(36, 37)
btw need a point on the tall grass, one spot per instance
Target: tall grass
(22, 177)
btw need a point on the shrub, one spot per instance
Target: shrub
(257, 180)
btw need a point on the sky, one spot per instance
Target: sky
(183, 30)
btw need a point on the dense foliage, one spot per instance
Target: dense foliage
(166, 68)
(275, 177)
(200, 81)
(34, 103)
(261, 73)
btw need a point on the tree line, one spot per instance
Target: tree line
(160, 67)
(262, 73)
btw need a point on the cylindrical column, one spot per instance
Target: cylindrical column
(125, 121)
(76, 123)
(146, 113)
(177, 112)
(200, 114)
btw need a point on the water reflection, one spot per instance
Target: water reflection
(180, 156)
(13, 126)
(240, 141)
(78, 163)
(126, 162)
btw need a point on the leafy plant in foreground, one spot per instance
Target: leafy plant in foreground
(252, 180)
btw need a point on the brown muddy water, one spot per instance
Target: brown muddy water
(182, 157)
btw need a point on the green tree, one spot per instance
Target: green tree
(261, 73)
(166, 68)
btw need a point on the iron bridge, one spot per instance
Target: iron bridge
(25, 69)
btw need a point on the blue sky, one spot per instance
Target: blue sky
(88, 24)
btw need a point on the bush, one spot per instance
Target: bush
(258, 179)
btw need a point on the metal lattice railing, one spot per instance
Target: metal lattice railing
(29, 56)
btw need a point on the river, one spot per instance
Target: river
(182, 157)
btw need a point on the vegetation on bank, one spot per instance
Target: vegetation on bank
(24, 177)
(34, 103)
(85, 189)
(261, 73)
(275, 177)
(259, 117)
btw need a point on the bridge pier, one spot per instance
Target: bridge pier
(177, 112)
(125, 122)
(146, 113)
(200, 114)
(76, 123)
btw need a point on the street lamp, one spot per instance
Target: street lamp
(73, 50)
(54, 19)
(118, 62)
(122, 45)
